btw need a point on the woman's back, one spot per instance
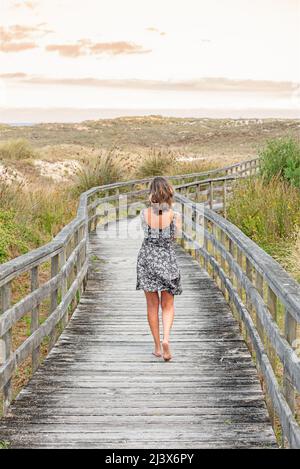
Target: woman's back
(158, 223)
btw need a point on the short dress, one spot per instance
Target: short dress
(157, 267)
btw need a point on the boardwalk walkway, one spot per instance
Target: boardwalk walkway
(100, 387)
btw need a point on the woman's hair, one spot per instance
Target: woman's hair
(161, 192)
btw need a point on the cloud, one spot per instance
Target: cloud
(17, 46)
(117, 48)
(86, 47)
(13, 75)
(17, 38)
(67, 50)
(26, 4)
(155, 30)
(207, 84)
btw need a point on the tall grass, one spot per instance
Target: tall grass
(281, 157)
(30, 218)
(18, 149)
(97, 171)
(192, 166)
(156, 162)
(267, 212)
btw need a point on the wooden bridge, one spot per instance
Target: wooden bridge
(234, 378)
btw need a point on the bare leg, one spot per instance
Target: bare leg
(167, 304)
(152, 299)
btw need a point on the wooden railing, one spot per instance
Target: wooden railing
(56, 273)
(265, 301)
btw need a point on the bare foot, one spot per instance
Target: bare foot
(166, 349)
(157, 351)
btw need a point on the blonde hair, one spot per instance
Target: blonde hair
(161, 191)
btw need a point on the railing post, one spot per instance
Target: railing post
(197, 197)
(272, 306)
(211, 195)
(290, 332)
(7, 345)
(64, 286)
(205, 229)
(249, 274)
(54, 298)
(34, 324)
(225, 198)
(183, 225)
(259, 282)
(117, 205)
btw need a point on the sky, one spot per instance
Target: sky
(141, 54)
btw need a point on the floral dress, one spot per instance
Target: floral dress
(157, 267)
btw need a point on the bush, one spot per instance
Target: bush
(281, 158)
(267, 212)
(97, 171)
(156, 163)
(15, 238)
(51, 210)
(19, 149)
(29, 218)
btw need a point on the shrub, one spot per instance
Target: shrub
(156, 163)
(267, 212)
(15, 238)
(50, 210)
(97, 171)
(29, 218)
(19, 149)
(281, 157)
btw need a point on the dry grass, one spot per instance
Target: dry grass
(18, 149)
(269, 213)
(156, 162)
(97, 171)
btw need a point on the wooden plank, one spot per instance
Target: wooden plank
(101, 372)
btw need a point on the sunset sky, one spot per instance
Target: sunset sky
(149, 54)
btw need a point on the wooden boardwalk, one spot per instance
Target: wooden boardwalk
(100, 387)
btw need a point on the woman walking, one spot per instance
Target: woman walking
(157, 268)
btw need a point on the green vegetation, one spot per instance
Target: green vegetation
(156, 163)
(281, 158)
(31, 218)
(18, 149)
(267, 212)
(4, 444)
(267, 208)
(97, 171)
(15, 237)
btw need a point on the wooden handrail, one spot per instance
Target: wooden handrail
(67, 255)
(258, 289)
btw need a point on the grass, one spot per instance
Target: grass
(281, 157)
(4, 444)
(212, 138)
(156, 163)
(267, 212)
(97, 171)
(30, 218)
(17, 149)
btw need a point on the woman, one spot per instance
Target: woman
(157, 269)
